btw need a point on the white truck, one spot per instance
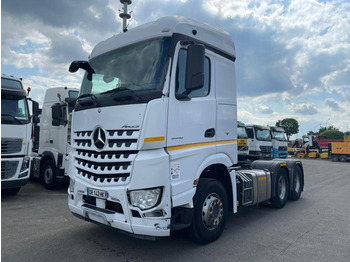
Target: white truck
(260, 142)
(153, 136)
(242, 143)
(279, 142)
(16, 134)
(50, 166)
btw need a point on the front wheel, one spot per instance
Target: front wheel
(282, 186)
(49, 175)
(342, 159)
(210, 211)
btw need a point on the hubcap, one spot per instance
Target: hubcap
(48, 175)
(212, 211)
(282, 188)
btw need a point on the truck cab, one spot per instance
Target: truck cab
(279, 142)
(16, 134)
(242, 142)
(54, 138)
(260, 142)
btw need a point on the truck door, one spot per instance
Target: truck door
(192, 119)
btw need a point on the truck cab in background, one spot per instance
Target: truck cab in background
(279, 142)
(16, 134)
(242, 143)
(54, 138)
(260, 142)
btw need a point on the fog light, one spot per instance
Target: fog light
(146, 198)
(25, 164)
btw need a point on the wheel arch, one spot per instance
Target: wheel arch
(46, 155)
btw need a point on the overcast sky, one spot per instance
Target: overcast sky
(293, 57)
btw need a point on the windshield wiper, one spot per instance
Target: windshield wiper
(11, 116)
(92, 96)
(130, 93)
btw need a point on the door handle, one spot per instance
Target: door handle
(209, 132)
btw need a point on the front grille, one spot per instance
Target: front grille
(11, 145)
(266, 149)
(282, 148)
(111, 165)
(110, 205)
(8, 169)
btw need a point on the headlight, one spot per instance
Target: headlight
(25, 163)
(145, 199)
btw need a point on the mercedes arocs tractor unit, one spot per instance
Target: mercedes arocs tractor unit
(50, 166)
(153, 135)
(16, 134)
(279, 142)
(260, 142)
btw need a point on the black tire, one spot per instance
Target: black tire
(342, 159)
(11, 191)
(334, 158)
(295, 193)
(210, 211)
(282, 189)
(48, 176)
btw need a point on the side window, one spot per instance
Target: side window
(250, 133)
(181, 73)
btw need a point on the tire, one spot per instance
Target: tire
(334, 158)
(48, 176)
(11, 191)
(342, 159)
(282, 187)
(210, 211)
(295, 193)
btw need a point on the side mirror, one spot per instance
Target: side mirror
(59, 114)
(70, 101)
(36, 119)
(35, 108)
(195, 67)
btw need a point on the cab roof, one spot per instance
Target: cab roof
(166, 27)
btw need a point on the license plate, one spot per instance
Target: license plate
(97, 193)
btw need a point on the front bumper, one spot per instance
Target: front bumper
(151, 169)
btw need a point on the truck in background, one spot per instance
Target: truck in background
(242, 143)
(279, 142)
(320, 143)
(260, 142)
(340, 151)
(144, 160)
(16, 134)
(50, 166)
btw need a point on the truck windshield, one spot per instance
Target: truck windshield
(134, 68)
(14, 110)
(262, 134)
(241, 132)
(280, 136)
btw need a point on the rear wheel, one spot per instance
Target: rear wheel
(342, 158)
(210, 211)
(334, 158)
(49, 175)
(281, 189)
(297, 184)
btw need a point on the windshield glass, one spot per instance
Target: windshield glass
(262, 134)
(138, 67)
(241, 132)
(11, 84)
(280, 136)
(14, 109)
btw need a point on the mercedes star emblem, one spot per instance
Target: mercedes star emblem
(99, 137)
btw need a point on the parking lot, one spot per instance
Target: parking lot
(36, 225)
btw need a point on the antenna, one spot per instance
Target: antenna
(125, 15)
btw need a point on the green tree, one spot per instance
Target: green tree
(290, 126)
(325, 128)
(312, 133)
(332, 134)
(347, 133)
